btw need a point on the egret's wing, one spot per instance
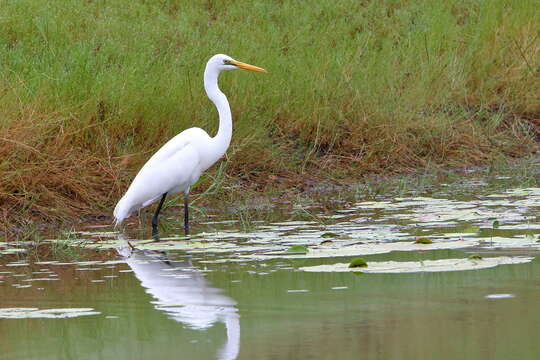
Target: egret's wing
(171, 174)
(176, 144)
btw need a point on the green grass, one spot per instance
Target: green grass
(89, 89)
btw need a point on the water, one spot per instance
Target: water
(234, 293)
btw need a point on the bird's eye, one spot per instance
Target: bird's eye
(226, 62)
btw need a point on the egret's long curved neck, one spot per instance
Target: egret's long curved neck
(224, 134)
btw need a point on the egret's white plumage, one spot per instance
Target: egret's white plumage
(178, 164)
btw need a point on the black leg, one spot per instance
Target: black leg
(155, 218)
(186, 213)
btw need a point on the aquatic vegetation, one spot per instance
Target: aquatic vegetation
(422, 266)
(423, 240)
(435, 217)
(66, 249)
(24, 313)
(329, 235)
(346, 249)
(97, 234)
(297, 249)
(472, 229)
(404, 224)
(358, 262)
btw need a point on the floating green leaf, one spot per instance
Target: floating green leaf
(358, 262)
(423, 240)
(475, 257)
(471, 229)
(329, 235)
(297, 249)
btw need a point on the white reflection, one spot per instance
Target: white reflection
(185, 295)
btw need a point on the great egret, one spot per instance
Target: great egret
(178, 164)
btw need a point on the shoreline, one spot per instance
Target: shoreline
(237, 201)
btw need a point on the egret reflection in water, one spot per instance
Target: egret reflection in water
(182, 292)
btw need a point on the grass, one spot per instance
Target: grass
(89, 90)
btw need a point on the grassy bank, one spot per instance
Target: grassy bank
(89, 89)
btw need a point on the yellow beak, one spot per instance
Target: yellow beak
(245, 66)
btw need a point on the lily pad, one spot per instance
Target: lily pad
(297, 249)
(471, 229)
(329, 235)
(367, 249)
(422, 266)
(423, 240)
(358, 262)
(24, 313)
(509, 242)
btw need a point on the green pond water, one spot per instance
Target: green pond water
(236, 292)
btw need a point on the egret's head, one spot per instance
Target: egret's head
(225, 62)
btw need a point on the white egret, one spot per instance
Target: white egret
(178, 164)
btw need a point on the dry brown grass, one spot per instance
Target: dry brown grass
(46, 176)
